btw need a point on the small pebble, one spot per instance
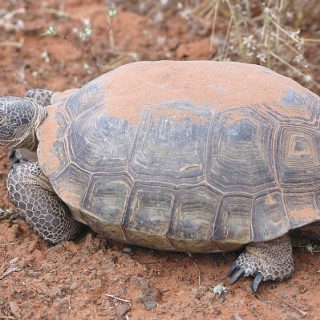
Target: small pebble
(122, 309)
(127, 249)
(147, 293)
(15, 309)
(237, 316)
(74, 286)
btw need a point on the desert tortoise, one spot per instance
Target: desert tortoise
(186, 156)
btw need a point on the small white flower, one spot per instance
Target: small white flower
(298, 58)
(158, 17)
(219, 289)
(51, 31)
(289, 15)
(20, 24)
(248, 41)
(294, 34)
(268, 14)
(186, 13)
(87, 31)
(262, 57)
(164, 2)
(112, 12)
(266, 10)
(307, 78)
(86, 21)
(87, 68)
(179, 6)
(45, 56)
(299, 45)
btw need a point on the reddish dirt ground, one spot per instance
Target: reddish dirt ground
(88, 279)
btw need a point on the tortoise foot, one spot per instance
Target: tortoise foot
(271, 260)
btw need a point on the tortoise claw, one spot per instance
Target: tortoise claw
(256, 281)
(232, 269)
(240, 273)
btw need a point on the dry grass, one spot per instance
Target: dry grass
(273, 33)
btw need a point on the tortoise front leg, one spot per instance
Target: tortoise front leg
(270, 260)
(30, 191)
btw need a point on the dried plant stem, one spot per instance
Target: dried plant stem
(226, 39)
(111, 34)
(236, 24)
(281, 7)
(194, 262)
(311, 40)
(58, 13)
(14, 44)
(287, 44)
(286, 63)
(297, 71)
(303, 313)
(117, 298)
(214, 21)
(266, 38)
(284, 31)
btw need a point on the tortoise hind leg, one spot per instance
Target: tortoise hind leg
(31, 192)
(270, 260)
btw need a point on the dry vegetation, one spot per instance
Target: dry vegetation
(276, 34)
(280, 34)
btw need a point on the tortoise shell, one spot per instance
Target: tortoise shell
(189, 156)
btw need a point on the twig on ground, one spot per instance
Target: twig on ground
(13, 268)
(117, 298)
(69, 308)
(5, 20)
(5, 244)
(303, 313)
(58, 13)
(14, 44)
(2, 317)
(5, 214)
(199, 272)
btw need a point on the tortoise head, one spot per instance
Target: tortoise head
(19, 118)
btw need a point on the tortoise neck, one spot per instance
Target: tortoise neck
(29, 140)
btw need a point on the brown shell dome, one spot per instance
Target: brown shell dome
(192, 156)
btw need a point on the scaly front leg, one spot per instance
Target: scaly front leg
(31, 192)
